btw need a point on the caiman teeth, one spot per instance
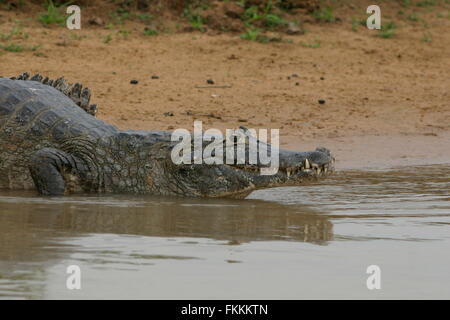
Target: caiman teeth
(307, 165)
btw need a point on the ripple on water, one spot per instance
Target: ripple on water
(323, 235)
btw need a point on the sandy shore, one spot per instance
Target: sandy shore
(381, 152)
(386, 101)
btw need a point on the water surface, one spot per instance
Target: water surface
(314, 241)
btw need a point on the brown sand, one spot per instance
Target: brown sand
(387, 100)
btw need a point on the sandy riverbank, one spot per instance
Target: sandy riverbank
(386, 101)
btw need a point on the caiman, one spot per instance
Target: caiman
(51, 141)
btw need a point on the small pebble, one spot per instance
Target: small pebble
(134, 82)
(168, 114)
(321, 101)
(96, 21)
(209, 81)
(322, 78)
(297, 84)
(155, 77)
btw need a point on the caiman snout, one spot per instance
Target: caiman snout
(301, 164)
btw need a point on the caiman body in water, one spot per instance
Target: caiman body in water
(50, 140)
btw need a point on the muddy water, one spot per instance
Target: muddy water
(314, 241)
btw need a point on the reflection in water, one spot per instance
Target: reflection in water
(30, 226)
(331, 224)
(25, 221)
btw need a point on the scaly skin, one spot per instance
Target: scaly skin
(49, 141)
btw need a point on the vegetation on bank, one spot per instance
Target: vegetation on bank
(260, 21)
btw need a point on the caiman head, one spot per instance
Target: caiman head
(167, 177)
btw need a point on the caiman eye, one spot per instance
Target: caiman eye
(148, 166)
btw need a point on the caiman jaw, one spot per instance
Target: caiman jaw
(295, 168)
(309, 168)
(306, 167)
